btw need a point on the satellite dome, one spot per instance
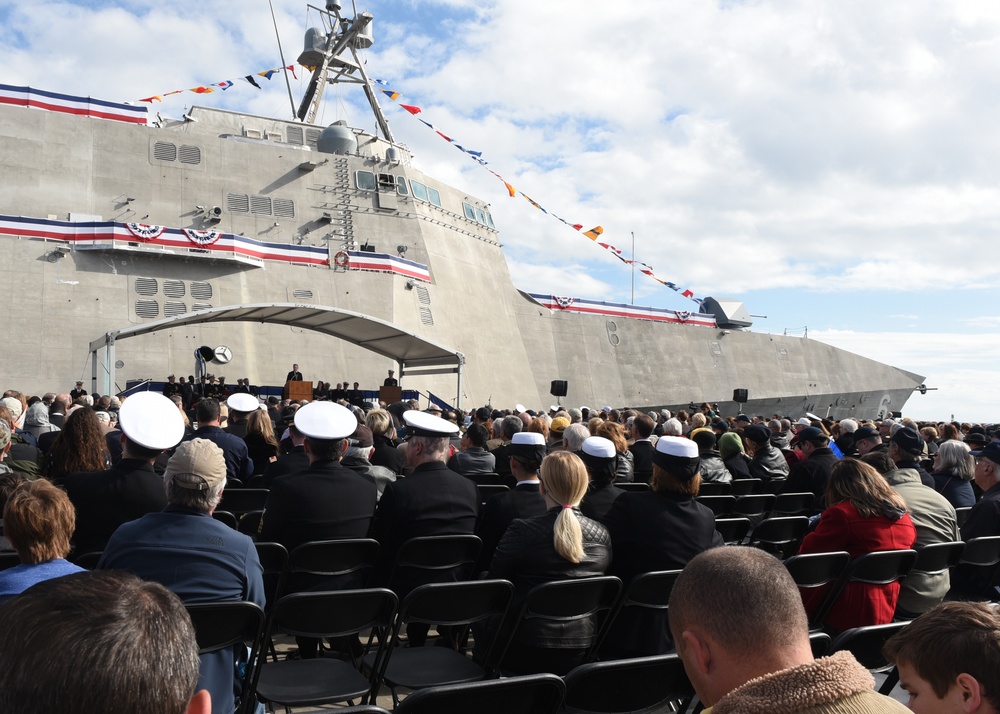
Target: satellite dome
(337, 139)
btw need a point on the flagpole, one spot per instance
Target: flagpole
(281, 53)
(633, 267)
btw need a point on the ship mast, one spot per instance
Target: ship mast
(338, 61)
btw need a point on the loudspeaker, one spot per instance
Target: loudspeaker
(740, 396)
(558, 388)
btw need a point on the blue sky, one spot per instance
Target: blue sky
(830, 163)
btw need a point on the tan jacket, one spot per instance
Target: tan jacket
(832, 685)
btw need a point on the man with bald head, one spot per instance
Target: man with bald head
(740, 628)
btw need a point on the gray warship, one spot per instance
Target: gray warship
(132, 240)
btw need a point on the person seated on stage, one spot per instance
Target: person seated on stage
(949, 659)
(38, 520)
(99, 642)
(742, 633)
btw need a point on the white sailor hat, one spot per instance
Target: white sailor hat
(677, 455)
(242, 402)
(527, 445)
(803, 422)
(599, 447)
(519, 409)
(424, 424)
(151, 420)
(554, 408)
(325, 420)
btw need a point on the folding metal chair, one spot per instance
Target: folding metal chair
(793, 504)
(962, 515)
(866, 643)
(733, 530)
(561, 601)
(88, 561)
(434, 559)
(629, 686)
(714, 488)
(456, 605)
(219, 625)
(720, 505)
(746, 486)
(643, 608)
(816, 570)
(533, 694)
(309, 682)
(633, 486)
(226, 517)
(981, 556)
(780, 536)
(878, 568)
(489, 490)
(243, 500)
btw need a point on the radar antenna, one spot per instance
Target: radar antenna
(337, 61)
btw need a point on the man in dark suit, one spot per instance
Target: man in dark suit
(295, 375)
(326, 501)
(391, 380)
(432, 500)
(525, 451)
(473, 458)
(293, 462)
(509, 426)
(642, 447)
(813, 472)
(104, 500)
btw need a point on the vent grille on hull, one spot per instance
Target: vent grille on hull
(147, 308)
(426, 317)
(146, 286)
(201, 291)
(173, 288)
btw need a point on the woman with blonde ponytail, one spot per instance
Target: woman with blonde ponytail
(560, 545)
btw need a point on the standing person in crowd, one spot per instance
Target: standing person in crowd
(80, 446)
(38, 520)
(954, 469)
(949, 659)
(661, 529)
(561, 544)
(864, 514)
(743, 636)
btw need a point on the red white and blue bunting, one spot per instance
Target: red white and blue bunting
(557, 303)
(144, 232)
(69, 104)
(477, 156)
(202, 238)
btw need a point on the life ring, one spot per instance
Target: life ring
(341, 259)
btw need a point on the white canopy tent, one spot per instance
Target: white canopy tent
(413, 354)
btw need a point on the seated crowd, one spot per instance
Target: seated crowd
(136, 486)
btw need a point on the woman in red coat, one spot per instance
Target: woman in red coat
(865, 515)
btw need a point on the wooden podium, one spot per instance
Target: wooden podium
(298, 391)
(390, 395)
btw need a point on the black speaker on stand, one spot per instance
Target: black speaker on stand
(740, 397)
(558, 389)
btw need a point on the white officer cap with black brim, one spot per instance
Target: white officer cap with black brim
(527, 445)
(151, 420)
(325, 420)
(599, 454)
(241, 402)
(677, 456)
(424, 424)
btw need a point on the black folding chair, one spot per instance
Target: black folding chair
(534, 694)
(331, 565)
(456, 605)
(629, 686)
(243, 500)
(429, 558)
(218, 625)
(274, 560)
(962, 515)
(936, 558)
(226, 517)
(816, 570)
(561, 601)
(733, 530)
(489, 490)
(714, 488)
(793, 504)
(633, 486)
(780, 536)
(720, 505)
(753, 506)
(249, 523)
(88, 561)
(866, 643)
(820, 644)
(9, 560)
(644, 604)
(982, 555)
(878, 568)
(309, 682)
(746, 486)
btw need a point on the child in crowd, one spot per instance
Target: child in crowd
(949, 659)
